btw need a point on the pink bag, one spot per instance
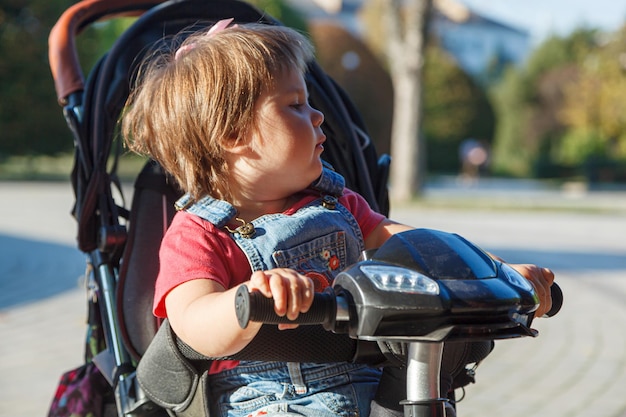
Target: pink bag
(80, 393)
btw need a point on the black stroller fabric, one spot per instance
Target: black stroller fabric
(348, 149)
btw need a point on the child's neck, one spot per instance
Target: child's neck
(250, 210)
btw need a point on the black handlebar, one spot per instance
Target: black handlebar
(254, 306)
(557, 300)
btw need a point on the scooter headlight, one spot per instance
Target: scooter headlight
(516, 278)
(393, 278)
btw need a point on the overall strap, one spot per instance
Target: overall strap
(330, 182)
(218, 212)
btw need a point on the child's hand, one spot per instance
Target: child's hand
(292, 292)
(541, 279)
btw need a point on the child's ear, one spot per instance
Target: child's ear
(235, 144)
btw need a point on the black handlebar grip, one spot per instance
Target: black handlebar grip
(557, 300)
(254, 306)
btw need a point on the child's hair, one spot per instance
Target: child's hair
(183, 109)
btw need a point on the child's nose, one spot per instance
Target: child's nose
(317, 117)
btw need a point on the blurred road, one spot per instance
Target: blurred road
(576, 367)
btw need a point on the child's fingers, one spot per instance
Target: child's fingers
(542, 285)
(292, 292)
(306, 294)
(301, 295)
(286, 292)
(293, 303)
(278, 290)
(260, 281)
(548, 275)
(541, 279)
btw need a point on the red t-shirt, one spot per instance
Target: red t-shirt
(193, 248)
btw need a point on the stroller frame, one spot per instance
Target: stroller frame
(122, 243)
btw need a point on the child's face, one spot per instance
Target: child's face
(287, 140)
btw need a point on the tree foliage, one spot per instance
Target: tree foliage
(563, 108)
(31, 122)
(529, 102)
(593, 105)
(455, 108)
(353, 66)
(26, 122)
(282, 12)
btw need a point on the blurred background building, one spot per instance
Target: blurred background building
(476, 42)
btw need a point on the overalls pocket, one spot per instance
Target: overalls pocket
(321, 259)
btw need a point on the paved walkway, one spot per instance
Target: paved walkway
(576, 367)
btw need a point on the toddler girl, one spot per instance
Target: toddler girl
(228, 117)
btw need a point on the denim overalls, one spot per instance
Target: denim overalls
(319, 240)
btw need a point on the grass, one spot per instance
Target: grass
(58, 168)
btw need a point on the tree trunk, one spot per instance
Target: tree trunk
(406, 29)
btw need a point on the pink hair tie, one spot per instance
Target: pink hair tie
(216, 28)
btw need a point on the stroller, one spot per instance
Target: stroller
(121, 243)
